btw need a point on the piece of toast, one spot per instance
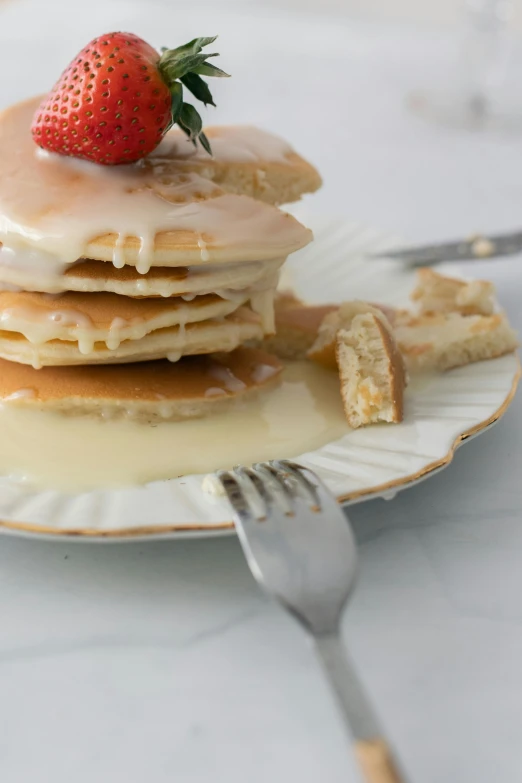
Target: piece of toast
(436, 293)
(371, 371)
(323, 350)
(442, 341)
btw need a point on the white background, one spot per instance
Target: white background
(161, 662)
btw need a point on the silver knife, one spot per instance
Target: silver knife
(475, 247)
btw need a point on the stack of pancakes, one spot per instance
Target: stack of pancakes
(111, 278)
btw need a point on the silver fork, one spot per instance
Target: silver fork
(301, 550)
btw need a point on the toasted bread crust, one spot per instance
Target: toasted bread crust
(443, 341)
(323, 350)
(397, 370)
(371, 371)
(435, 293)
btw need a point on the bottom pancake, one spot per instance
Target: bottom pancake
(214, 335)
(194, 387)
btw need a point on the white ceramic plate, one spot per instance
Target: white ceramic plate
(367, 463)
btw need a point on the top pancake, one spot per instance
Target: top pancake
(245, 160)
(159, 212)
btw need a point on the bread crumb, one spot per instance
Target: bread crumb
(482, 247)
(211, 485)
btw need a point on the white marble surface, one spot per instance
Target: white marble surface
(163, 662)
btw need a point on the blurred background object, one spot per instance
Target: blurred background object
(423, 12)
(476, 91)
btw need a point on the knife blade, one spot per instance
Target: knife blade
(475, 247)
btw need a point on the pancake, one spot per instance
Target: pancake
(296, 328)
(245, 160)
(210, 336)
(93, 276)
(146, 214)
(109, 318)
(238, 231)
(194, 387)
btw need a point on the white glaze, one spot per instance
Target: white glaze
(40, 325)
(303, 413)
(230, 144)
(23, 268)
(71, 203)
(21, 394)
(33, 261)
(263, 372)
(226, 377)
(216, 391)
(262, 303)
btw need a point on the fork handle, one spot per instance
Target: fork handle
(376, 762)
(372, 751)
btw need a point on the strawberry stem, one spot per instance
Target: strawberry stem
(185, 65)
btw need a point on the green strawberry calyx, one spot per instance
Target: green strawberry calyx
(184, 67)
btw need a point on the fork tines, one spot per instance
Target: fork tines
(255, 490)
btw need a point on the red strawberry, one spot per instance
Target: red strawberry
(118, 97)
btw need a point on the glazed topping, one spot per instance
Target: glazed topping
(64, 209)
(302, 414)
(91, 318)
(230, 144)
